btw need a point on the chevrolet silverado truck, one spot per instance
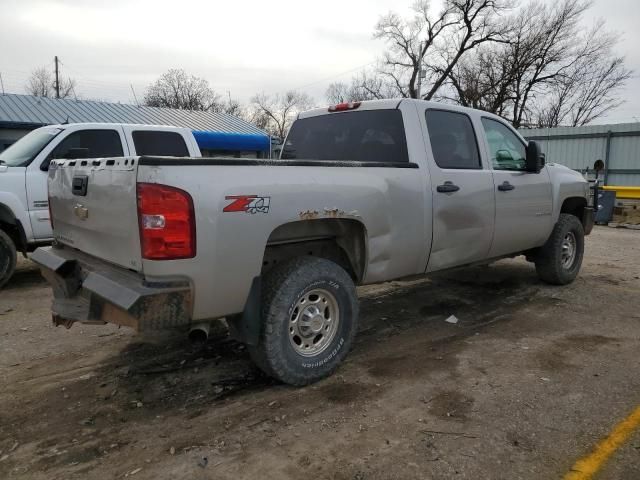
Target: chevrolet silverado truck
(24, 210)
(363, 193)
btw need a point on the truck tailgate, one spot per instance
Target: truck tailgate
(94, 208)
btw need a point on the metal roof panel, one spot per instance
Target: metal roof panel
(39, 111)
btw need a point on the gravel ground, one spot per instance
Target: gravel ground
(528, 381)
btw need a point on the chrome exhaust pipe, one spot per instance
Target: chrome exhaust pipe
(199, 333)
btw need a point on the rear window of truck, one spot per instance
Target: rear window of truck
(170, 144)
(365, 136)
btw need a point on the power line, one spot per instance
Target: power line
(336, 75)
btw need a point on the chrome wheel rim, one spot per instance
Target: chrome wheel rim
(313, 322)
(569, 248)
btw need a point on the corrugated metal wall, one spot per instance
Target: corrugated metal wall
(617, 145)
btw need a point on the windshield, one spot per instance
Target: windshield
(21, 153)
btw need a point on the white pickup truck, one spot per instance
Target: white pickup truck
(363, 193)
(24, 212)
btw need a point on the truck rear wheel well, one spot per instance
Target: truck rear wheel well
(574, 206)
(342, 241)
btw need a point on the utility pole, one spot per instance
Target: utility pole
(421, 75)
(57, 78)
(1, 83)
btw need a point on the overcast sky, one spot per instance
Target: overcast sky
(240, 46)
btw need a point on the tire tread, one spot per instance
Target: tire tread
(547, 259)
(279, 284)
(6, 239)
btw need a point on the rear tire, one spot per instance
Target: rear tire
(558, 261)
(309, 320)
(7, 258)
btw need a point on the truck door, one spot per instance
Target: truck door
(462, 191)
(88, 141)
(523, 199)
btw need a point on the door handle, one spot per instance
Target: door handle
(447, 187)
(505, 187)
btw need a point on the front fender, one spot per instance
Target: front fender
(566, 183)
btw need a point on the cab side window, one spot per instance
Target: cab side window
(453, 140)
(154, 142)
(90, 144)
(506, 150)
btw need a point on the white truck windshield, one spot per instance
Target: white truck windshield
(21, 153)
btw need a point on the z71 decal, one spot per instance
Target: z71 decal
(247, 203)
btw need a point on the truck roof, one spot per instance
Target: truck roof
(204, 138)
(125, 125)
(393, 103)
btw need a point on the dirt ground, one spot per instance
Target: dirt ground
(527, 382)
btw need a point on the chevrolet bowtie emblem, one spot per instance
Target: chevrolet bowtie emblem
(81, 211)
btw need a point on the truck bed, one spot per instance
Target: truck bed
(378, 195)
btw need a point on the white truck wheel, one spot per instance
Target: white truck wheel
(7, 258)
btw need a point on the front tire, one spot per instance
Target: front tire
(310, 317)
(558, 261)
(8, 258)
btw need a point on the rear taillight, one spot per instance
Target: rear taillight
(341, 107)
(167, 222)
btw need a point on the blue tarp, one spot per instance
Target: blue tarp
(232, 141)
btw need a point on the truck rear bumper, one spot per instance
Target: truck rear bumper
(88, 290)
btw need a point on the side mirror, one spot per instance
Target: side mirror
(535, 159)
(76, 152)
(44, 166)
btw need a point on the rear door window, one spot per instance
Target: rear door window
(365, 136)
(158, 143)
(94, 144)
(453, 140)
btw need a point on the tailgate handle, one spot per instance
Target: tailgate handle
(79, 185)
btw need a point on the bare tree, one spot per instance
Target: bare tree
(339, 92)
(233, 107)
(587, 89)
(177, 89)
(436, 42)
(42, 83)
(548, 72)
(362, 87)
(275, 113)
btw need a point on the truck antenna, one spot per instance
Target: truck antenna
(134, 95)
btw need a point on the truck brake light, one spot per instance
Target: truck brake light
(167, 222)
(341, 107)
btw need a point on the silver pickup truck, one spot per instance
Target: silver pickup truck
(363, 193)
